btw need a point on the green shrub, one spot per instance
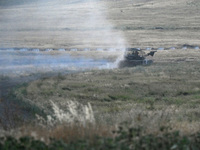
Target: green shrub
(125, 139)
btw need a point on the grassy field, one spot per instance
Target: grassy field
(172, 82)
(143, 107)
(154, 102)
(148, 23)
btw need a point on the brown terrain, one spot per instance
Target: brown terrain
(65, 24)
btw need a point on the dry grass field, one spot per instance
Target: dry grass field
(169, 86)
(165, 94)
(84, 107)
(63, 24)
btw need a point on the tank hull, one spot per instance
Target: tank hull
(132, 63)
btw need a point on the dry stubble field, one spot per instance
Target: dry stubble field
(148, 23)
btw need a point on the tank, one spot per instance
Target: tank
(134, 57)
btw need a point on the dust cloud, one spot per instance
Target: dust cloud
(61, 24)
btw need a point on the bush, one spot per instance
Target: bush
(124, 139)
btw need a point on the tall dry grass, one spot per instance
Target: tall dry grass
(74, 113)
(77, 122)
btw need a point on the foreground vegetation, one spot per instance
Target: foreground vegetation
(133, 138)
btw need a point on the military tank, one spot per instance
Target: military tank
(134, 57)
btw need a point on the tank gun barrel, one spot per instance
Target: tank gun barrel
(151, 53)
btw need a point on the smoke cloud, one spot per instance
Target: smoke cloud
(15, 63)
(59, 24)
